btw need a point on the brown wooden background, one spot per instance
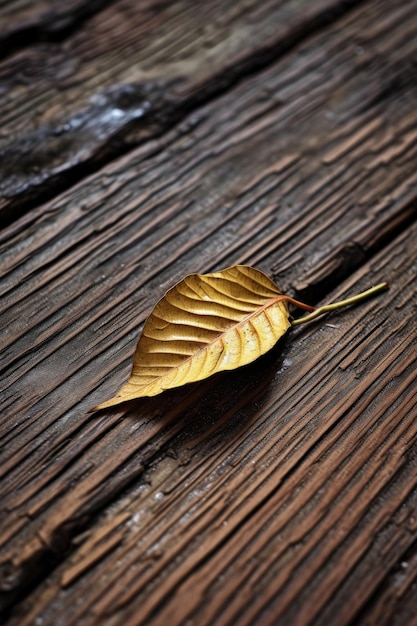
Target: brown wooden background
(144, 140)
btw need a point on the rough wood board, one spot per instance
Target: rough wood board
(343, 180)
(127, 74)
(85, 269)
(288, 504)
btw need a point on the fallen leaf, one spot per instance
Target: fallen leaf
(208, 323)
(205, 324)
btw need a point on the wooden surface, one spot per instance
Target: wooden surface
(128, 74)
(142, 141)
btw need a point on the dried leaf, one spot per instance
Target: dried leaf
(209, 323)
(205, 324)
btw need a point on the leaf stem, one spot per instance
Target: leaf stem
(298, 304)
(338, 305)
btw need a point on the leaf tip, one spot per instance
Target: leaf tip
(106, 405)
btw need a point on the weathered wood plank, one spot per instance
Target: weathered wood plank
(292, 178)
(129, 73)
(288, 504)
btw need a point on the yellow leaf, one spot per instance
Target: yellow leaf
(205, 324)
(209, 323)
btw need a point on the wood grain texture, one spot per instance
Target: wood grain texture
(85, 270)
(286, 490)
(271, 505)
(129, 73)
